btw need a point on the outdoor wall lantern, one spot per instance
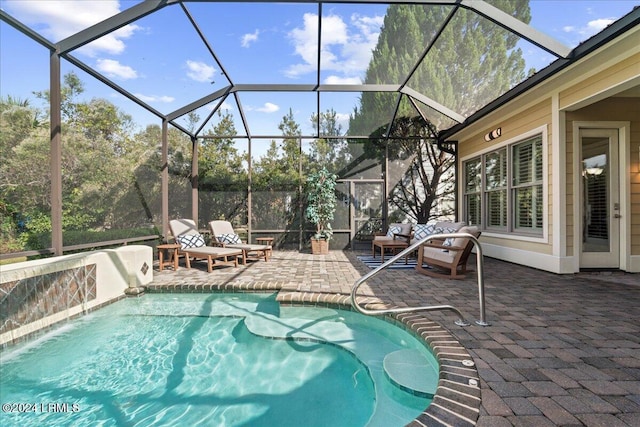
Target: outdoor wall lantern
(493, 134)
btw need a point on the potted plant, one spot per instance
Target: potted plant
(321, 205)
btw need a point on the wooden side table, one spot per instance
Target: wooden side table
(395, 246)
(265, 241)
(172, 258)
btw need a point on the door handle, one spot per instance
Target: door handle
(617, 215)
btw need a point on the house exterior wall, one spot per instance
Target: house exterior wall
(586, 92)
(535, 119)
(614, 110)
(600, 80)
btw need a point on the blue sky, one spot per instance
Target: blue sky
(255, 42)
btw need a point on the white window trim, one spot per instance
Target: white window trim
(509, 235)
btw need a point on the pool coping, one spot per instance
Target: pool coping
(457, 398)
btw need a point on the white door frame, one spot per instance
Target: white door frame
(624, 186)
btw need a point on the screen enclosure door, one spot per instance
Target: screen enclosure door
(366, 211)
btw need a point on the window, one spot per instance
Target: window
(527, 185)
(473, 191)
(503, 189)
(495, 171)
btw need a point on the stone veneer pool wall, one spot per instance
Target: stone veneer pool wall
(35, 295)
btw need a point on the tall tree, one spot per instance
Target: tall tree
(420, 190)
(276, 179)
(144, 195)
(220, 163)
(279, 167)
(223, 176)
(472, 62)
(23, 167)
(332, 150)
(99, 161)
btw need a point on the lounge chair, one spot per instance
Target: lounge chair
(192, 245)
(224, 235)
(450, 255)
(396, 231)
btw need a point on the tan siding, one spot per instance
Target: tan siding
(586, 92)
(614, 109)
(542, 248)
(513, 127)
(602, 81)
(610, 109)
(538, 115)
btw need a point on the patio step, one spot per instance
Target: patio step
(411, 371)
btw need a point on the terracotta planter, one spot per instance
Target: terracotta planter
(319, 247)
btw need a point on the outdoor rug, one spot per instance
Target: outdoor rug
(372, 262)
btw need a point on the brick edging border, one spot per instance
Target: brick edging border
(457, 399)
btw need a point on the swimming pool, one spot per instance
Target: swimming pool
(212, 359)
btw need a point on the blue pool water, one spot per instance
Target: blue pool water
(209, 360)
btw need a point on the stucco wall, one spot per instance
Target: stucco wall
(40, 293)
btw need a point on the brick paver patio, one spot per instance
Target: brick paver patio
(561, 349)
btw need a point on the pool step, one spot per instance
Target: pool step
(411, 371)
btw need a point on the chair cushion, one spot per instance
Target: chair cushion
(393, 229)
(219, 227)
(230, 238)
(462, 241)
(420, 231)
(438, 254)
(449, 224)
(190, 241)
(399, 228)
(447, 230)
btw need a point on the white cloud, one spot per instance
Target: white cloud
(268, 107)
(112, 68)
(226, 106)
(154, 99)
(58, 20)
(249, 38)
(598, 25)
(305, 42)
(337, 80)
(199, 71)
(343, 120)
(591, 28)
(346, 48)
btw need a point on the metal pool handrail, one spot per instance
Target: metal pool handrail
(461, 321)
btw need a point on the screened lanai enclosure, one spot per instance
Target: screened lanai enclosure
(119, 116)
